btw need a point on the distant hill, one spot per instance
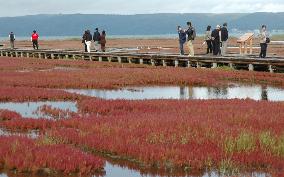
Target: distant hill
(143, 24)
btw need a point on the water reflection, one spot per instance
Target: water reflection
(30, 109)
(255, 92)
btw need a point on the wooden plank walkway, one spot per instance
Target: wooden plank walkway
(271, 64)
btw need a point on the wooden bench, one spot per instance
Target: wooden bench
(246, 41)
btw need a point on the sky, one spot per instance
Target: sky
(32, 7)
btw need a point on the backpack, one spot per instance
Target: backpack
(191, 33)
(267, 40)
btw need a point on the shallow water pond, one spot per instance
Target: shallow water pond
(255, 92)
(31, 109)
(118, 171)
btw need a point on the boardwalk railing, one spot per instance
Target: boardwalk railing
(251, 63)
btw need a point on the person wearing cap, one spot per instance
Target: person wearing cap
(34, 39)
(12, 38)
(224, 39)
(97, 39)
(216, 40)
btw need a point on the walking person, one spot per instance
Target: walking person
(83, 41)
(224, 39)
(88, 41)
(12, 38)
(103, 41)
(97, 38)
(182, 39)
(208, 40)
(191, 34)
(34, 39)
(216, 40)
(264, 40)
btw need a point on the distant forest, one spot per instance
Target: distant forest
(142, 24)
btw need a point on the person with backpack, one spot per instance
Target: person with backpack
(103, 41)
(191, 34)
(216, 40)
(97, 38)
(224, 39)
(182, 39)
(264, 40)
(208, 40)
(34, 39)
(88, 40)
(12, 38)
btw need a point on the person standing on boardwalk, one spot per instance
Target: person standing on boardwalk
(191, 34)
(208, 40)
(182, 39)
(83, 41)
(224, 39)
(216, 40)
(34, 39)
(88, 41)
(12, 38)
(103, 41)
(97, 38)
(264, 40)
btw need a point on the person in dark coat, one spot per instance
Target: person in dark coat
(83, 41)
(224, 39)
(103, 41)
(182, 39)
(88, 41)
(97, 38)
(216, 40)
(12, 38)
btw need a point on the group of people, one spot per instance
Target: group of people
(216, 40)
(98, 38)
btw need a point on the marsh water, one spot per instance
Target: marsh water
(234, 91)
(30, 109)
(115, 170)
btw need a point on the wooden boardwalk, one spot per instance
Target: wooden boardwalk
(270, 64)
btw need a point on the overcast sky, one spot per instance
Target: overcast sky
(30, 7)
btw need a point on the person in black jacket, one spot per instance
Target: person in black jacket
(97, 39)
(224, 39)
(83, 41)
(88, 40)
(191, 34)
(216, 40)
(12, 38)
